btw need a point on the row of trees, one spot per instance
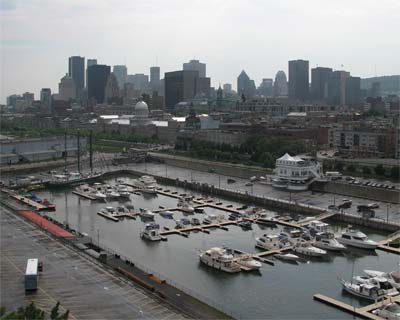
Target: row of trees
(31, 312)
(379, 170)
(255, 150)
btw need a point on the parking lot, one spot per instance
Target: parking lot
(78, 283)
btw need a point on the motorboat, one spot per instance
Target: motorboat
(49, 206)
(356, 239)
(390, 311)
(327, 241)
(195, 221)
(316, 226)
(151, 232)
(60, 180)
(269, 221)
(210, 218)
(230, 180)
(235, 216)
(219, 259)
(123, 191)
(198, 210)
(364, 290)
(245, 224)
(305, 248)
(147, 180)
(270, 242)
(108, 211)
(247, 261)
(185, 206)
(123, 209)
(181, 223)
(148, 190)
(287, 256)
(110, 192)
(146, 213)
(381, 283)
(166, 213)
(393, 277)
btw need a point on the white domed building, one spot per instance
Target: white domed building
(141, 114)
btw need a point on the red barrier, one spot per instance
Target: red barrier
(45, 224)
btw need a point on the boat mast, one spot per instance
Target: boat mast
(65, 150)
(91, 151)
(79, 153)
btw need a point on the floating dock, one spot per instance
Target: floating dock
(83, 195)
(363, 312)
(29, 202)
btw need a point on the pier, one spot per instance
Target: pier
(363, 312)
(83, 195)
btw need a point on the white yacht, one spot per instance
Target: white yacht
(110, 192)
(327, 241)
(123, 191)
(269, 242)
(181, 223)
(393, 277)
(166, 213)
(247, 261)
(287, 256)
(316, 226)
(390, 311)
(356, 239)
(146, 213)
(92, 192)
(381, 283)
(108, 210)
(219, 259)
(147, 180)
(185, 206)
(307, 249)
(295, 173)
(151, 232)
(366, 291)
(148, 189)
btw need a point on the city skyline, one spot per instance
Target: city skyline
(32, 60)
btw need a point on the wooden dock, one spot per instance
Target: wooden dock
(29, 202)
(363, 312)
(83, 195)
(321, 216)
(392, 237)
(108, 216)
(199, 228)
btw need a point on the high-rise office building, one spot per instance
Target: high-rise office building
(227, 88)
(66, 88)
(121, 74)
(353, 92)
(89, 63)
(97, 80)
(155, 76)
(111, 90)
(266, 87)
(141, 82)
(45, 98)
(245, 86)
(299, 79)
(319, 83)
(179, 86)
(280, 84)
(76, 70)
(203, 86)
(195, 65)
(337, 88)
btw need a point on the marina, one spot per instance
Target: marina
(121, 232)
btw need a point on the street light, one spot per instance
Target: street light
(98, 238)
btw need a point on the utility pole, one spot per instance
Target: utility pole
(387, 212)
(219, 181)
(98, 238)
(79, 152)
(91, 151)
(65, 151)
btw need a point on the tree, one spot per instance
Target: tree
(379, 170)
(395, 173)
(339, 166)
(366, 170)
(31, 312)
(54, 315)
(351, 168)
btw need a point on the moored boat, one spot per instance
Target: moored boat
(356, 239)
(219, 259)
(151, 232)
(366, 291)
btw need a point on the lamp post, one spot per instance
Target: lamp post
(98, 238)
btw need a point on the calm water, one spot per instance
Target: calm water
(281, 291)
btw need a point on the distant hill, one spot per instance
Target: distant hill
(389, 84)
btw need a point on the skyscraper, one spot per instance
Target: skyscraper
(245, 86)
(97, 80)
(196, 65)
(319, 83)
(76, 70)
(66, 88)
(337, 88)
(45, 98)
(280, 84)
(121, 73)
(353, 92)
(141, 82)
(112, 89)
(298, 79)
(266, 87)
(227, 87)
(179, 86)
(155, 75)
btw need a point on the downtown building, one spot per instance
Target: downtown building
(76, 70)
(299, 80)
(97, 80)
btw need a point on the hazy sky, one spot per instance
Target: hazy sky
(260, 36)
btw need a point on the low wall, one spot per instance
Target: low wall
(227, 169)
(377, 224)
(346, 189)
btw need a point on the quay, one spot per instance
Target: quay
(363, 312)
(24, 200)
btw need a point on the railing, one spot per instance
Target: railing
(171, 282)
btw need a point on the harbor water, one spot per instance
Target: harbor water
(282, 291)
